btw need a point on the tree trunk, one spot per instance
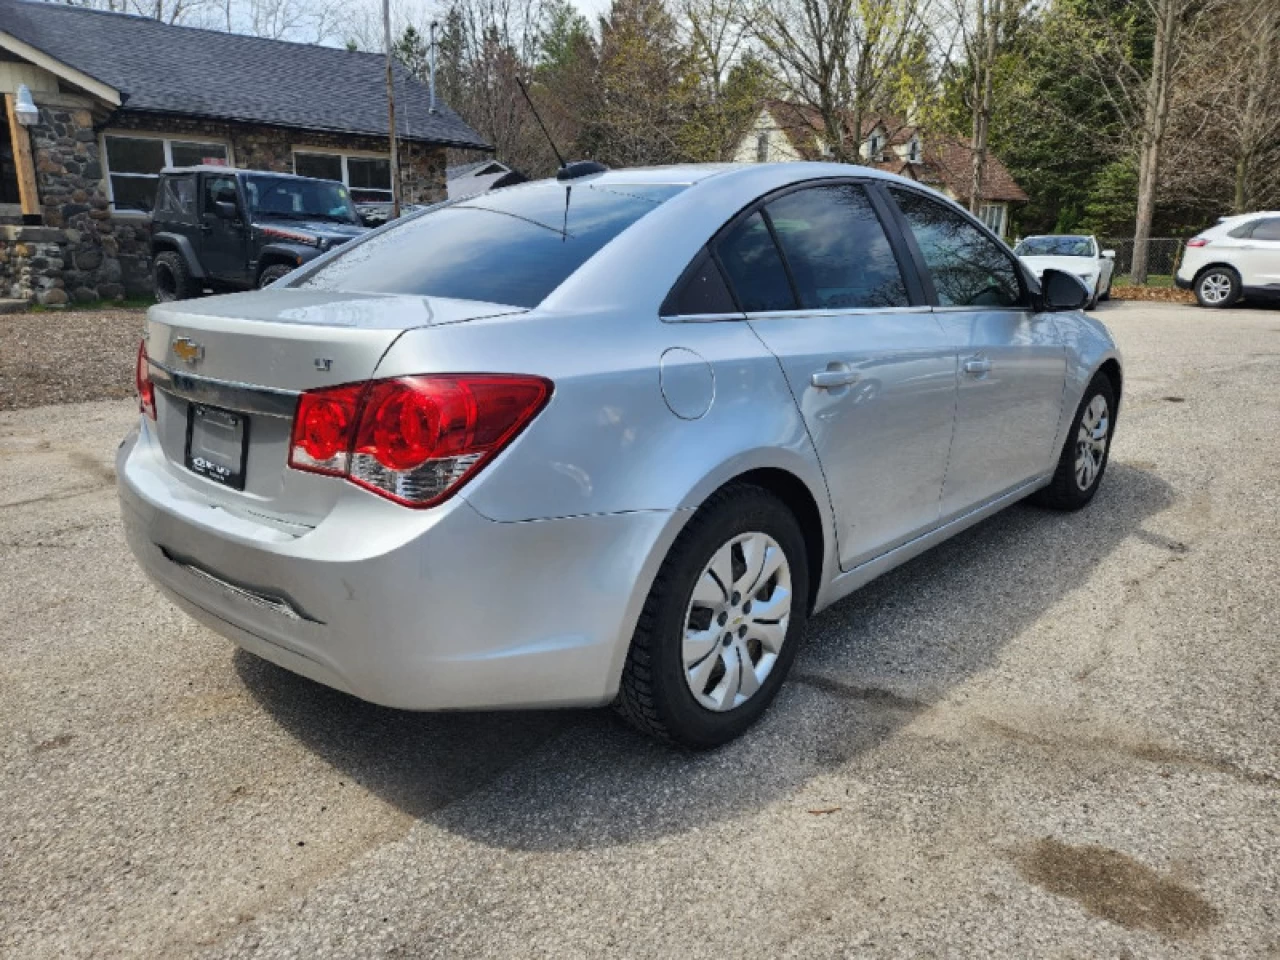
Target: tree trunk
(988, 26)
(1155, 118)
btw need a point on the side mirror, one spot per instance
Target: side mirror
(225, 209)
(1109, 254)
(1063, 291)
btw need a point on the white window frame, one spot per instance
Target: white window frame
(995, 216)
(344, 156)
(169, 140)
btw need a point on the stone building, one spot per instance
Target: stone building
(118, 97)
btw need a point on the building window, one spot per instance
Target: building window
(913, 150)
(134, 163)
(762, 148)
(368, 177)
(992, 214)
(874, 145)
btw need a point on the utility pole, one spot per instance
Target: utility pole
(391, 111)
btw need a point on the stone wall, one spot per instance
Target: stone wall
(101, 256)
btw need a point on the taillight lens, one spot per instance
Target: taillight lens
(414, 440)
(1197, 242)
(142, 383)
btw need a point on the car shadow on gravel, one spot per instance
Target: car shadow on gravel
(554, 780)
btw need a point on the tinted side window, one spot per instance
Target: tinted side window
(700, 290)
(754, 268)
(837, 249)
(1267, 229)
(969, 269)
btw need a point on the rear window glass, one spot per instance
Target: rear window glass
(511, 246)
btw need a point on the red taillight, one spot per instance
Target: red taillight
(323, 427)
(142, 383)
(1197, 242)
(414, 440)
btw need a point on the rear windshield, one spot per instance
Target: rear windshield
(512, 246)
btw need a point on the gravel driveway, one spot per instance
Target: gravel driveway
(1054, 736)
(67, 356)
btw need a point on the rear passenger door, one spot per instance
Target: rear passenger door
(1258, 258)
(821, 283)
(1012, 362)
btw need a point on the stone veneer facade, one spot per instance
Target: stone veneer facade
(85, 252)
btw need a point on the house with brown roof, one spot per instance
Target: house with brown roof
(787, 131)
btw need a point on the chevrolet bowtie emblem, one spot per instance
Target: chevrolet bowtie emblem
(188, 351)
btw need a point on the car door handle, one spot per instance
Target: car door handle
(834, 377)
(977, 366)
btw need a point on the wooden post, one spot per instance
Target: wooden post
(28, 195)
(391, 111)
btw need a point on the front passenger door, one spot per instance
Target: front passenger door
(869, 365)
(223, 245)
(1012, 364)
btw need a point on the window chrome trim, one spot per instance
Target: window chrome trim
(842, 312)
(229, 395)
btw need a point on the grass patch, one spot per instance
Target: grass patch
(95, 306)
(1153, 280)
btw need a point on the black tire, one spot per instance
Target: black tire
(172, 277)
(655, 696)
(1217, 277)
(273, 273)
(1106, 294)
(1065, 492)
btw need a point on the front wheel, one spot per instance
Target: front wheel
(721, 625)
(272, 274)
(1217, 287)
(1084, 455)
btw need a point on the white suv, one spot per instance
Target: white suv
(1238, 257)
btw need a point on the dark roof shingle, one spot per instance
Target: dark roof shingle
(188, 71)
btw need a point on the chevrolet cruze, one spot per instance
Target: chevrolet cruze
(609, 438)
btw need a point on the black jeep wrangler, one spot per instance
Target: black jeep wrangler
(225, 229)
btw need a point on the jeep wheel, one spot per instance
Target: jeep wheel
(272, 274)
(172, 279)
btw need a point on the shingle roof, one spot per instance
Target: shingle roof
(224, 76)
(945, 161)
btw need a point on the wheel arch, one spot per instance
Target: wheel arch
(1111, 367)
(1215, 265)
(798, 498)
(166, 242)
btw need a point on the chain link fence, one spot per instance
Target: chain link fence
(1163, 256)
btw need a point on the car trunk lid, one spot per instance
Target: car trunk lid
(228, 372)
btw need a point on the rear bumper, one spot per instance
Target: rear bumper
(424, 610)
(1180, 282)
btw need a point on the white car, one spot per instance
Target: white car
(1075, 254)
(1237, 258)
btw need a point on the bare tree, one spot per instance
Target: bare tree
(838, 58)
(986, 36)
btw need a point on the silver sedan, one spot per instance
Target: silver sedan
(604, 439)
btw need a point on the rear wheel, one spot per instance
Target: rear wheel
(721, 625)
(1084, 455)
(272, 274)
(172, 278)
(1217, 287)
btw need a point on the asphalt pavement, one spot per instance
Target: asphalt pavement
(1053, 736)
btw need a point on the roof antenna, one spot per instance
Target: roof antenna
(567, 171)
